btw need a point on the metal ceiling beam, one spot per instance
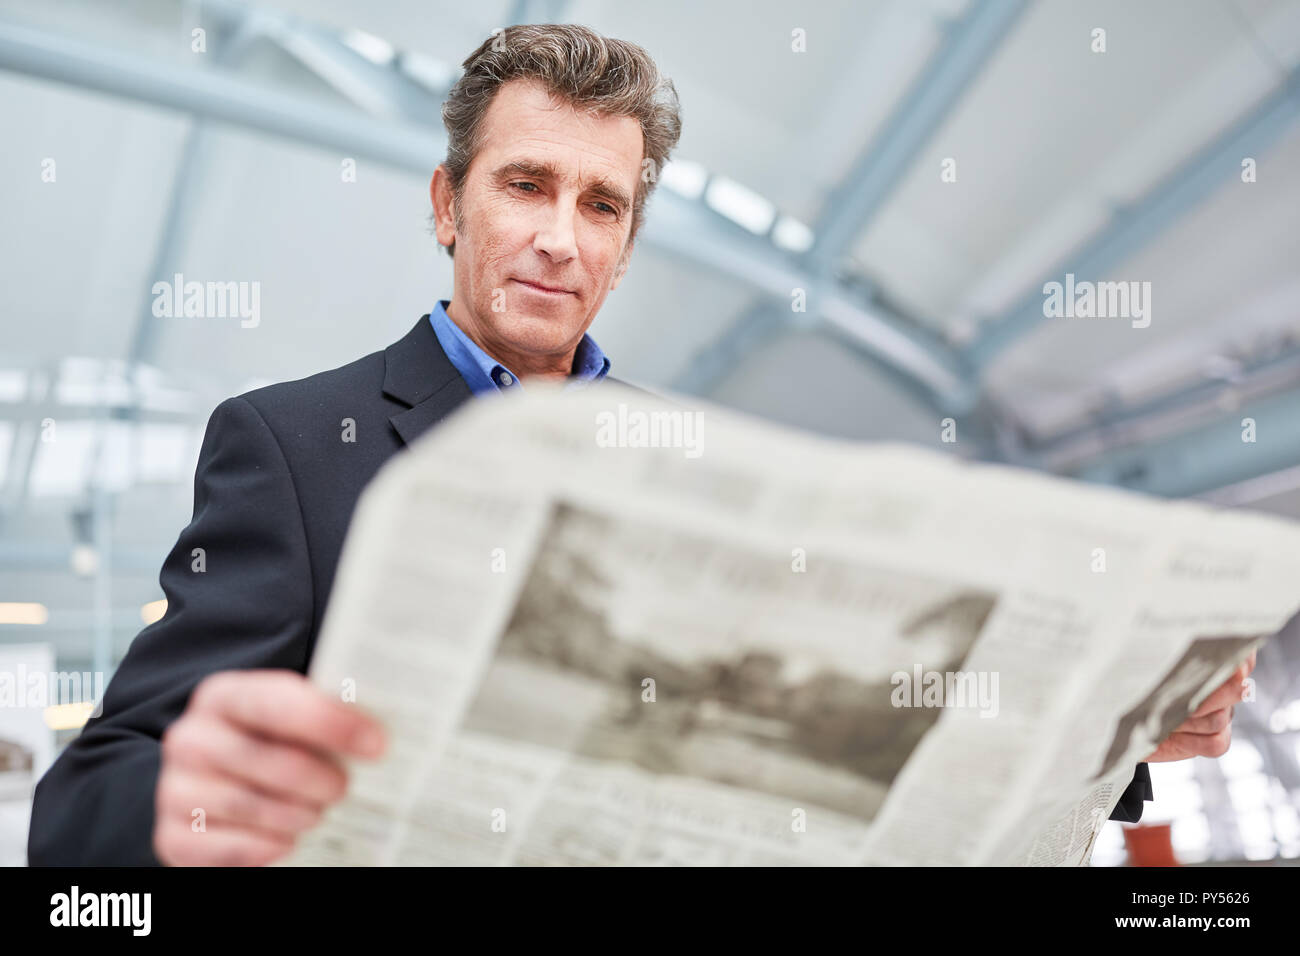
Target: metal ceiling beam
(1210, 456)
(708, 368)
(379, 89)
(236, 39)
(967, 48)
(375, 88)
(688, 229)
(1117, 425)
(1253, 490)
(25, 444)
(901, 346)
(217, 96)
(1134, 227)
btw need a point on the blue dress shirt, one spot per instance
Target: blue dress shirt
(483, 373)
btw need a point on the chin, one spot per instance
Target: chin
(542, 331)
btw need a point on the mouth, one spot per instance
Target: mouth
(543, 289)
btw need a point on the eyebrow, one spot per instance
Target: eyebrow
(546, 171)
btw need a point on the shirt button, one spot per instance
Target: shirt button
(507, 379)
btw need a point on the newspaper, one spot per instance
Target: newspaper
(605, 629)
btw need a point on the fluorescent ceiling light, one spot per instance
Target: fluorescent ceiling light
(684, 177)
(13, 384)
(68, 716)
(740, 204)
(19, 612)
(153, 611)
(792, 235)
(371, 47)
(431, 73)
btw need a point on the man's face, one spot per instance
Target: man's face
(547, 202)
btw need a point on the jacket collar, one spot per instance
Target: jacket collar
(418, 373)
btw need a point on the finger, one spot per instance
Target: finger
(1204, 745)
(1210, 723)
(176, 844)
(1225, 695)
(284, 705)
(223, 801)
(205, 744)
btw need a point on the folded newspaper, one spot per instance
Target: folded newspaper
(602, 628)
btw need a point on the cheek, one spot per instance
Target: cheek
(600, 252)
(499, 226)
(496, 244)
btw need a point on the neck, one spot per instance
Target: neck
(545, 376)
(529, 366)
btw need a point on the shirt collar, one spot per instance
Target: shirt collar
(483, 373)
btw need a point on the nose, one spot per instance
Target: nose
(555, 237)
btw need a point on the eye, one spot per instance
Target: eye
(607, 207)
(532, 187)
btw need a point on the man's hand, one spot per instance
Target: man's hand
(1208, 732)
(257, 752)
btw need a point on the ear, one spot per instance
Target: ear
(621, 269)
(443, 215)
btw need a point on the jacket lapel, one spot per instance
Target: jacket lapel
(418, 372)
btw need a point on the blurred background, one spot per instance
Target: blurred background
(920, 167)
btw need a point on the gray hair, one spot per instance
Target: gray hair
(589, 71)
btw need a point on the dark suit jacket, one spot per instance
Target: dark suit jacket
(274, 490)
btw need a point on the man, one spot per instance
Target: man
(554, 136)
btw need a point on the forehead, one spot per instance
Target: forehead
(524, 121)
